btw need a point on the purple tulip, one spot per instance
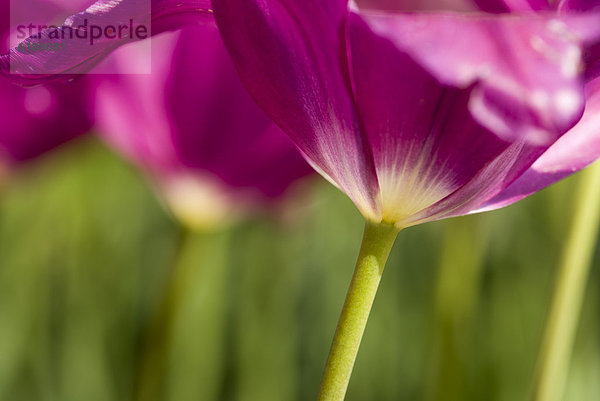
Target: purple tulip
(36, 120)
(213, 153)
(420, 117)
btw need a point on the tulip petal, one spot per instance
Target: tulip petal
(290, 56)
(36, 120)
(425, 143)
(129, 107)
(573, 151)
(508, 6)
(524, 68)
(578, 5)
(491, 6)
(592, 61)
(587, 27)
(242, 148)
(418, 5)
(488, 182)
(78, 55)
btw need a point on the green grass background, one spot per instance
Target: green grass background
(103, 297)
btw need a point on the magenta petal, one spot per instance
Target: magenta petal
(491, 6)
(36, 120)
(525, 68)
(217, 127)
(488, 182)
(592, 60)
(507, 6)
(131, 113)
(425, 143)
(290, 56)
(573, 151)
(79, 55)
(587, 27)
(418, 5)
(578, 5)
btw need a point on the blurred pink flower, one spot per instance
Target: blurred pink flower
(214, 155)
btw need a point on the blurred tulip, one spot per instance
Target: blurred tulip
(213, 153)
(191, 125)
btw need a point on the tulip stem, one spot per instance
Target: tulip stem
(192, 310)
(149, 381)
(561, 327)
(376, 245)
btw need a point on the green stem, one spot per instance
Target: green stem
(192, 312)
(456, 294)
(553, 363)
(377, 243)
(197, 342)
(149, 383)
(264, 314)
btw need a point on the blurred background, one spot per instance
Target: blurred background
(104, 297)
